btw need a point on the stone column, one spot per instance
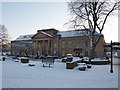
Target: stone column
(35, 49)
(48, 47)
(37, 46)
(43, 46)
(59, 47)
(52, 47)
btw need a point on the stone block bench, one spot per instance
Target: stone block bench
(31, 64)
(71, 65)
(24, 60)
(82, 66)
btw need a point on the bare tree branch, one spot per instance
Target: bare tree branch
(95, 13)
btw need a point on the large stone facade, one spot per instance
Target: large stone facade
(59, 43)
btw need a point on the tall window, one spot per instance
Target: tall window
(50, 43)
(39, 44)
(55, 45)
(86, 53)
(95, 54)
(86, 43)
(63, 44)
(77, 45)
(70, 44)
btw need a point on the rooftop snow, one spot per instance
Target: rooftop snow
(69, 33)
(73, 33)
(25, 37)
(46, 33)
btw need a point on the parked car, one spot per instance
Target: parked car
(69, 56)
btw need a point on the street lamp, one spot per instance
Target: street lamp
(111, 65)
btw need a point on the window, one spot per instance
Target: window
(39, 44)
(77, 46)
(86, 43)
(95, 54)
(63, 44)
(69, 52)
(55, 52)
(55, 45)
(63, 53)
(50, 43)
(70, 44)
(86, 53)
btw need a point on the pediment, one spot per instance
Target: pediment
(40, 35)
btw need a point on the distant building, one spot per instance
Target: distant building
(115, 49)
(60, 43)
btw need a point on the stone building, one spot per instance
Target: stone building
(59, 43)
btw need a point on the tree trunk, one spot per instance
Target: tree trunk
(92, 52)
(26, 53)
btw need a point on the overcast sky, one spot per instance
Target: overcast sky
(21, 18)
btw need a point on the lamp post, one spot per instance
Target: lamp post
(115, 47)
(111, 65)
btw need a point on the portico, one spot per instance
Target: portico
(44, 45)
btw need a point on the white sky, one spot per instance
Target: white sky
(23, 18)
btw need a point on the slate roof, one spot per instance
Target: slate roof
(25, 37)
(74, 33)
(69, 33)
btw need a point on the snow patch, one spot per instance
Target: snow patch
(17, 75)
(73, 33)
(46, 34)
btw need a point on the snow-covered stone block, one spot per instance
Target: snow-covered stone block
(16, 60)
(82, 66)
(31, 64)
(25, 60)
(89, 66)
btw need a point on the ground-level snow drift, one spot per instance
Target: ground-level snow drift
(18, 75)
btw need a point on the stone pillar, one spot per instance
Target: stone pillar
(44, 48)
(52, 47)
(50, 50)
(59, 47)
(48, 47)
(37, 46)
(38, 42)
(35, 49)
(40, 47)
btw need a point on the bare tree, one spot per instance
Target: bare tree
(27, 47)
(4, 37)
(92, 14)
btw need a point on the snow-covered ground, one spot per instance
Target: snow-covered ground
(18, 75)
